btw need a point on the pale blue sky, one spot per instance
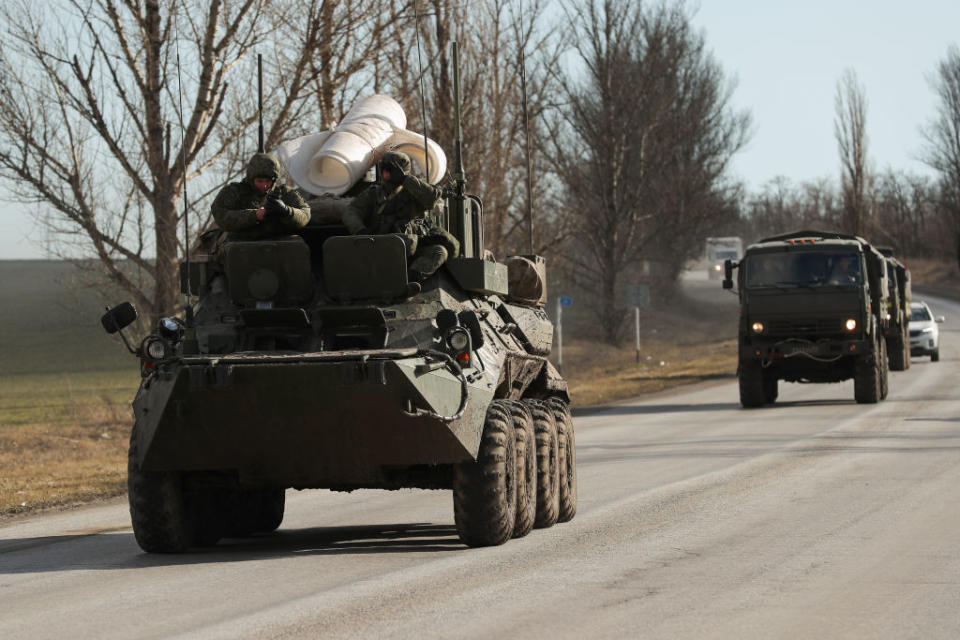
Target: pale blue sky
(787, 57)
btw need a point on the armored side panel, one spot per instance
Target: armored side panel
(479, 276)
(533, 327)
(365, 267)
(268, 270)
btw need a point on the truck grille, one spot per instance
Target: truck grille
(804, 327)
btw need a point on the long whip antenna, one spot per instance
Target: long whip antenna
(260, 101)
(526, 128)
(183, 168)
(423, 100)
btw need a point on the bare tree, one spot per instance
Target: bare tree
(942, 138)
(643, 144)
(849, 127)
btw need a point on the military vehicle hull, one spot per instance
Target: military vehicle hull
(326, 419)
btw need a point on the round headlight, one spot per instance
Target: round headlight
(156, 350)
(757, 327)
(458, 339)
(850, 324)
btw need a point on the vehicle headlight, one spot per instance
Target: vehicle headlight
(757, 327)
(156, 349)
(459, 339)
(170, 329)
(717, 267)
(850, 324)
(927, 330)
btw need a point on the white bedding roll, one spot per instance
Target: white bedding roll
(332, 161)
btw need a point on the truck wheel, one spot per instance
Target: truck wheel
(255, 511)
(751, 384)
(884, 370)
(162, 521)
(568, 459)
(770, 391)
(896, 354)
(548, 465)
(484, 491)
(905, 343)
(866, 379)
(935, 355)
(526, 452)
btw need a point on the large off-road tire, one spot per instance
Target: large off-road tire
(905, 341)
(484, 491)
(935, 355)
(255, 511)
(866, 378)
(162, 519)
(750, 377)
(548, 464)
(567, 450)
(897, 354)
(770, 389)
(884, 370)
(526, 453)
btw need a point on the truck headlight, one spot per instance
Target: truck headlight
(757, 327)
(459, 339)
(850, 324)
(155, 349)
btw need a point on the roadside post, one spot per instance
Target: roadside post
(636, 323)
(561, 303)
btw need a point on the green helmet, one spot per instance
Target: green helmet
(263, 165)
(397, 159)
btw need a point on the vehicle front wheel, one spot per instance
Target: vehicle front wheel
(752, 388)
(484, 490)
(162, 520)
(935, 355)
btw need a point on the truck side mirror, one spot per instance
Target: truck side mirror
(728, 267)
(119, 317)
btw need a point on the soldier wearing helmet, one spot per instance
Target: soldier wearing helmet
(258, 207)
(400, 204)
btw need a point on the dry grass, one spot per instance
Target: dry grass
(935, 276)
(63, 439)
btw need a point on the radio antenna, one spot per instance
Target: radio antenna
(526, 128)
(423, 101)
(260, 101)
(183, 168)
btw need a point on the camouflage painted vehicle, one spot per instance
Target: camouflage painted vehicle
(311, 362)
(813, 308)
(306, 365)
(898, 310)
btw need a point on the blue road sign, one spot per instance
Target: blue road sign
(566, 302)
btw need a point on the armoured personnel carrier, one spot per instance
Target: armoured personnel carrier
(307, 364)
(813, 308)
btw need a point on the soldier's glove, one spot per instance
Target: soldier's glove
(277, 208)
(393, 174)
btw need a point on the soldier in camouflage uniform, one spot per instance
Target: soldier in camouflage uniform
(400, 205)
(258, 207)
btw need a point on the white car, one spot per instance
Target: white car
(924, 333)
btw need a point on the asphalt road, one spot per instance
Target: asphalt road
(816, 517)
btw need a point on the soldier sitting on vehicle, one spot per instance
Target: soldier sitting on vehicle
(258, 207)
(400, 205)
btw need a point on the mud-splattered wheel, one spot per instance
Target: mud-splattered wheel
(548, 464)
(484, 491)
(567, 455)
(866, 378)
(526, 455)
(162, 521)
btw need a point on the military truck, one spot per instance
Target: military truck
(306, 363)
(898, 310)
(812, 309)
(718, 250)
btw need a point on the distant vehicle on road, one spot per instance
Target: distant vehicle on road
(924, 332)
(720, 249)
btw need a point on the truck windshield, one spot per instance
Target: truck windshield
(803, 269)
